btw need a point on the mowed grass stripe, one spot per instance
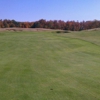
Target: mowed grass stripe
(45, 66)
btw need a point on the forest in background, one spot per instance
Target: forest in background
(52, 24)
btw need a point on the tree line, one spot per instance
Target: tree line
(52, 24)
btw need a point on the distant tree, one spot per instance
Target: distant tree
(52, 24)
(1, 24)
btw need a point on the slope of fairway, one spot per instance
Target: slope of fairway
(49, 66)
(89, 36)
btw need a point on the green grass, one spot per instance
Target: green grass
(50, 66)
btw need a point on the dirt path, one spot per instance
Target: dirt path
(26, 29)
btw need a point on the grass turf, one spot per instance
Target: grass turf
(50, 66)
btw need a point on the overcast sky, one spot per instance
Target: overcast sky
(32, 10)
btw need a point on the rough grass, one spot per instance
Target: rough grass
(50, 66)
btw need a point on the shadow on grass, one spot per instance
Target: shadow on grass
(65, 31)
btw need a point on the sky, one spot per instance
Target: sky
(33, 10)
